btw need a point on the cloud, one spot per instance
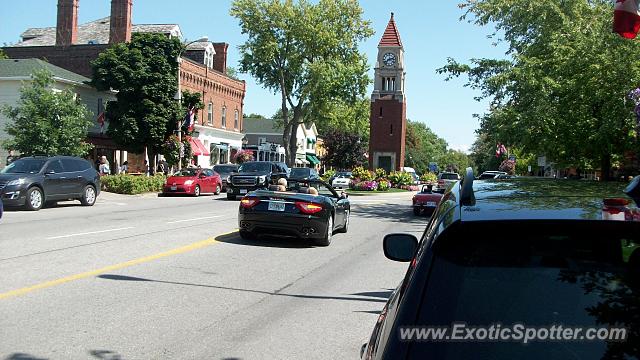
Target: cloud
(464, 148)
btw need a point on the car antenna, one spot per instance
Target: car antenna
(467, 196)
(633, 190)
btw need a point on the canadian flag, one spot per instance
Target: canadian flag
(626, 18)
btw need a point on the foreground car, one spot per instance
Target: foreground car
(193, 182)
(426, 201)
(31, 182)
(508, 254)
(295, 212)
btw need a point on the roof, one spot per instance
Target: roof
(26, 67)
(260, 126)
(391, 36)
(201, 45)
(94, 32)
(540, 199)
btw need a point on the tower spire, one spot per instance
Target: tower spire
(391, 36)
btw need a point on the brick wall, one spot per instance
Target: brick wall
(388, 128)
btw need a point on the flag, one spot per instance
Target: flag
(189, 119)
(101, 121)
(626, 18)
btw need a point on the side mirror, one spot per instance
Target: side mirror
(400, 247)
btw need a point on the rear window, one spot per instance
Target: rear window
(581, 275)
(449, 176)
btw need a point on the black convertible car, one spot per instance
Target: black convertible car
(298, 212)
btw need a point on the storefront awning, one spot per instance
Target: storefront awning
(313, 159)
(197, 148)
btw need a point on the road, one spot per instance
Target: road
(145, 277)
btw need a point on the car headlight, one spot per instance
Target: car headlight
(188, 182)
(262, 179)
(16, 182)
(229, 179)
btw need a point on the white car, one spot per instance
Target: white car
(341, 182)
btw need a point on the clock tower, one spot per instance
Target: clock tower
(388, 119)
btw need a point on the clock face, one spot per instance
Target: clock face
(389, 59)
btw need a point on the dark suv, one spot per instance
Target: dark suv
(502, 261)
(255, 175)
(33, 181)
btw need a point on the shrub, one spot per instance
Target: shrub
(369, 185)
(384, 185)
(399, 178)
(328, 175)
(429, 177)
(362, 174)
(380, 174)
(131, 185)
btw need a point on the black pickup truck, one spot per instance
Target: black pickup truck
(255, 175)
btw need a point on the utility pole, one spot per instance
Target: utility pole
(179, 98)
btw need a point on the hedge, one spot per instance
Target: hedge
(131, 185)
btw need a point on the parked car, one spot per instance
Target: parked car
(341, 180)
(445, 179)
(225, 170)
(304, 173)
(490, 175)
(426, 200)
(510, 252)
(255, 175)
(194, 182)
(296, 212)
(33, 181)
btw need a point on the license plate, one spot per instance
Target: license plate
(243, 191)
(174, 188)
(431, 203)
(276, 206)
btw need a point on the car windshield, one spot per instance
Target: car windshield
(224, 169)
(24, 166)
(553, 274)
(186, 173)
(449, 176)
(300, 172)
(255, 167)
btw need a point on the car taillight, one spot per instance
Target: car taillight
(249, 202)
(308, 207)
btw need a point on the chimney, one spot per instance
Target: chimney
(120, 25)
(220, 58)
(67, 25)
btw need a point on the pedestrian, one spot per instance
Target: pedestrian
(103, 169)
(11, 158)
(124, 168)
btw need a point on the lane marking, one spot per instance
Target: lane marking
(194, 219)
(89, 233)
(181, 250)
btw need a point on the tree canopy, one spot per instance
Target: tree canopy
(305, 51)
(344, 150)
(144, 72)
(561, 90)
(47, 122)
(422, 146)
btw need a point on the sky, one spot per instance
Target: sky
(430, 31)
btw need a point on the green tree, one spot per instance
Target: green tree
(422, 146)
(144, 72)
(561, 90)
(344, 150)
(352, 117)
(254, 116)
(305, 51)
(3, 55)
(45, 122)
(454, 160)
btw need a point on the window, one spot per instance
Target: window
(55, 166)
(380, 111)
(210, 114)
(391, 129)
(262, 140)
(393, 84)
(224, 116)
(235, 120)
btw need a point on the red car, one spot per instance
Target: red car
(426, 200)
(193, 182)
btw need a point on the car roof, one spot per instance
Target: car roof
(539, 199)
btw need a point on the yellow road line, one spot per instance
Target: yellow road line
(84, 275)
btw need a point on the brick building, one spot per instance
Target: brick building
(73, 46)
(388, 119)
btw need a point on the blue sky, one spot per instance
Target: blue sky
(430, 32)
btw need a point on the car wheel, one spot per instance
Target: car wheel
(326, 240)
(218, 190)
(230, 196)
(35, 199)
(196, 191)
(416, 211)
(88, 196)
(345, 227)
(247, 235)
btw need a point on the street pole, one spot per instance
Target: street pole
(179, 95)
